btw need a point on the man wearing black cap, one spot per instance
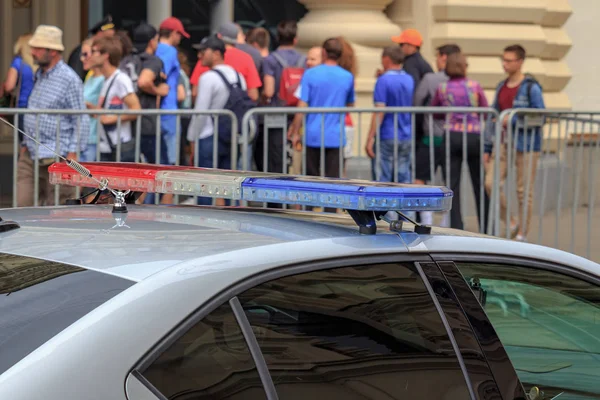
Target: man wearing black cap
(213, 95)
(106, 27)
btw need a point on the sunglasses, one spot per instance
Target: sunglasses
(85, 55)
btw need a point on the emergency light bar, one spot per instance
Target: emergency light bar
(348, 194)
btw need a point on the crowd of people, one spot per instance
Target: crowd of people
(236, 71)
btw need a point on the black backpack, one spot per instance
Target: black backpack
(239, 103)
(132, 66)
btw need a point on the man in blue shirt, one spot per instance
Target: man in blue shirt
(326, 85)
(394, 88)
(170, 32)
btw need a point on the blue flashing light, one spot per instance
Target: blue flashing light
(347, 194)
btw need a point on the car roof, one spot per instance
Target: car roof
(151, 238)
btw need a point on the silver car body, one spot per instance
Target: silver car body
(182, 258)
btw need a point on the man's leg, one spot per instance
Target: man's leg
(332, 167)
(526, 165)
(205, 160)
(403, 165)
(25, 180)
(474, 163)
(489, 180)
(275, 153)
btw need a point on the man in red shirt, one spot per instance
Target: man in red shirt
(517, 91)
(240, 61)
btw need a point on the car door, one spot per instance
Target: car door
(548, 318)
(377, 328)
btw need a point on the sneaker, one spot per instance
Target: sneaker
(520, 238)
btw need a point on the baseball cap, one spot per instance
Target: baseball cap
(409, 36)
(142, 35)
(174, 24)
(213, 43)
(202, 45)
(228, 32)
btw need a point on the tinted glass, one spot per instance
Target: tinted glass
(210, 361)
(549, 324)
(38, 299)
(354, 333)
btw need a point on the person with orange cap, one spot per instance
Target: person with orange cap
(410, 40)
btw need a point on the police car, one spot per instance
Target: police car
(124, 301)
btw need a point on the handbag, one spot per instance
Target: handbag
(124, 146)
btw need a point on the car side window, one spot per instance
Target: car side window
(210, 361)
(549, 324)
(368, 332)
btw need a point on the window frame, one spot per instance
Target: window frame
(447, 263)
(230, 294)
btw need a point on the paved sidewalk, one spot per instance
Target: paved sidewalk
(579, 235)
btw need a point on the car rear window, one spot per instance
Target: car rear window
(40, 298)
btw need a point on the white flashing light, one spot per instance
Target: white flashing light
(260, 187)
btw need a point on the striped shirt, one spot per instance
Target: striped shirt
(58, 89)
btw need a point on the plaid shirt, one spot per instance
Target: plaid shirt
(58, 89)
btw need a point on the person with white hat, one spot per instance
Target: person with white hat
(56, 87)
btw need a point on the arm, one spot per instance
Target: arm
(202, 103)
(180, 92)
(379, 98)
(11, 80)
(252, 79)
(422, 92)
(146, 84)
(74, 101)
(253, 94)
(269, 87)
(294, 129)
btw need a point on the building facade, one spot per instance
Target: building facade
(482, 29)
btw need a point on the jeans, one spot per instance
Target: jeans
(126, 156)
(205, 159)
(148, 149)
(171, 141)
(388, 168)
(89, 154)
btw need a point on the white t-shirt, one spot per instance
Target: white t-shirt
(120, 86)
(213, 94)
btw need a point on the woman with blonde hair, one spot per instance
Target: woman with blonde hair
(91, 95)
(349, 62)
(19, 79)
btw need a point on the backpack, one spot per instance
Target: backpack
(132, 66)
(238, 102)
(290, 80)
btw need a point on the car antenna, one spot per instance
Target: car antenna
(120, 201)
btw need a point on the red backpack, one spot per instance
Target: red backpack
(290, 80)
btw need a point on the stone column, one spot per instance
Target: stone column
(65, 14)
(7, 40)
(364, 24)
(158, 10)
(221, 12)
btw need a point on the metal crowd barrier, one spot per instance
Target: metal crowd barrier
(567, 164)
(432, 118)
(137, 137)
(554, 177)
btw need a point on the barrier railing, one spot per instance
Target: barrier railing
(134, 154)
(457, 131)
(510, 174)
(545, 141)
